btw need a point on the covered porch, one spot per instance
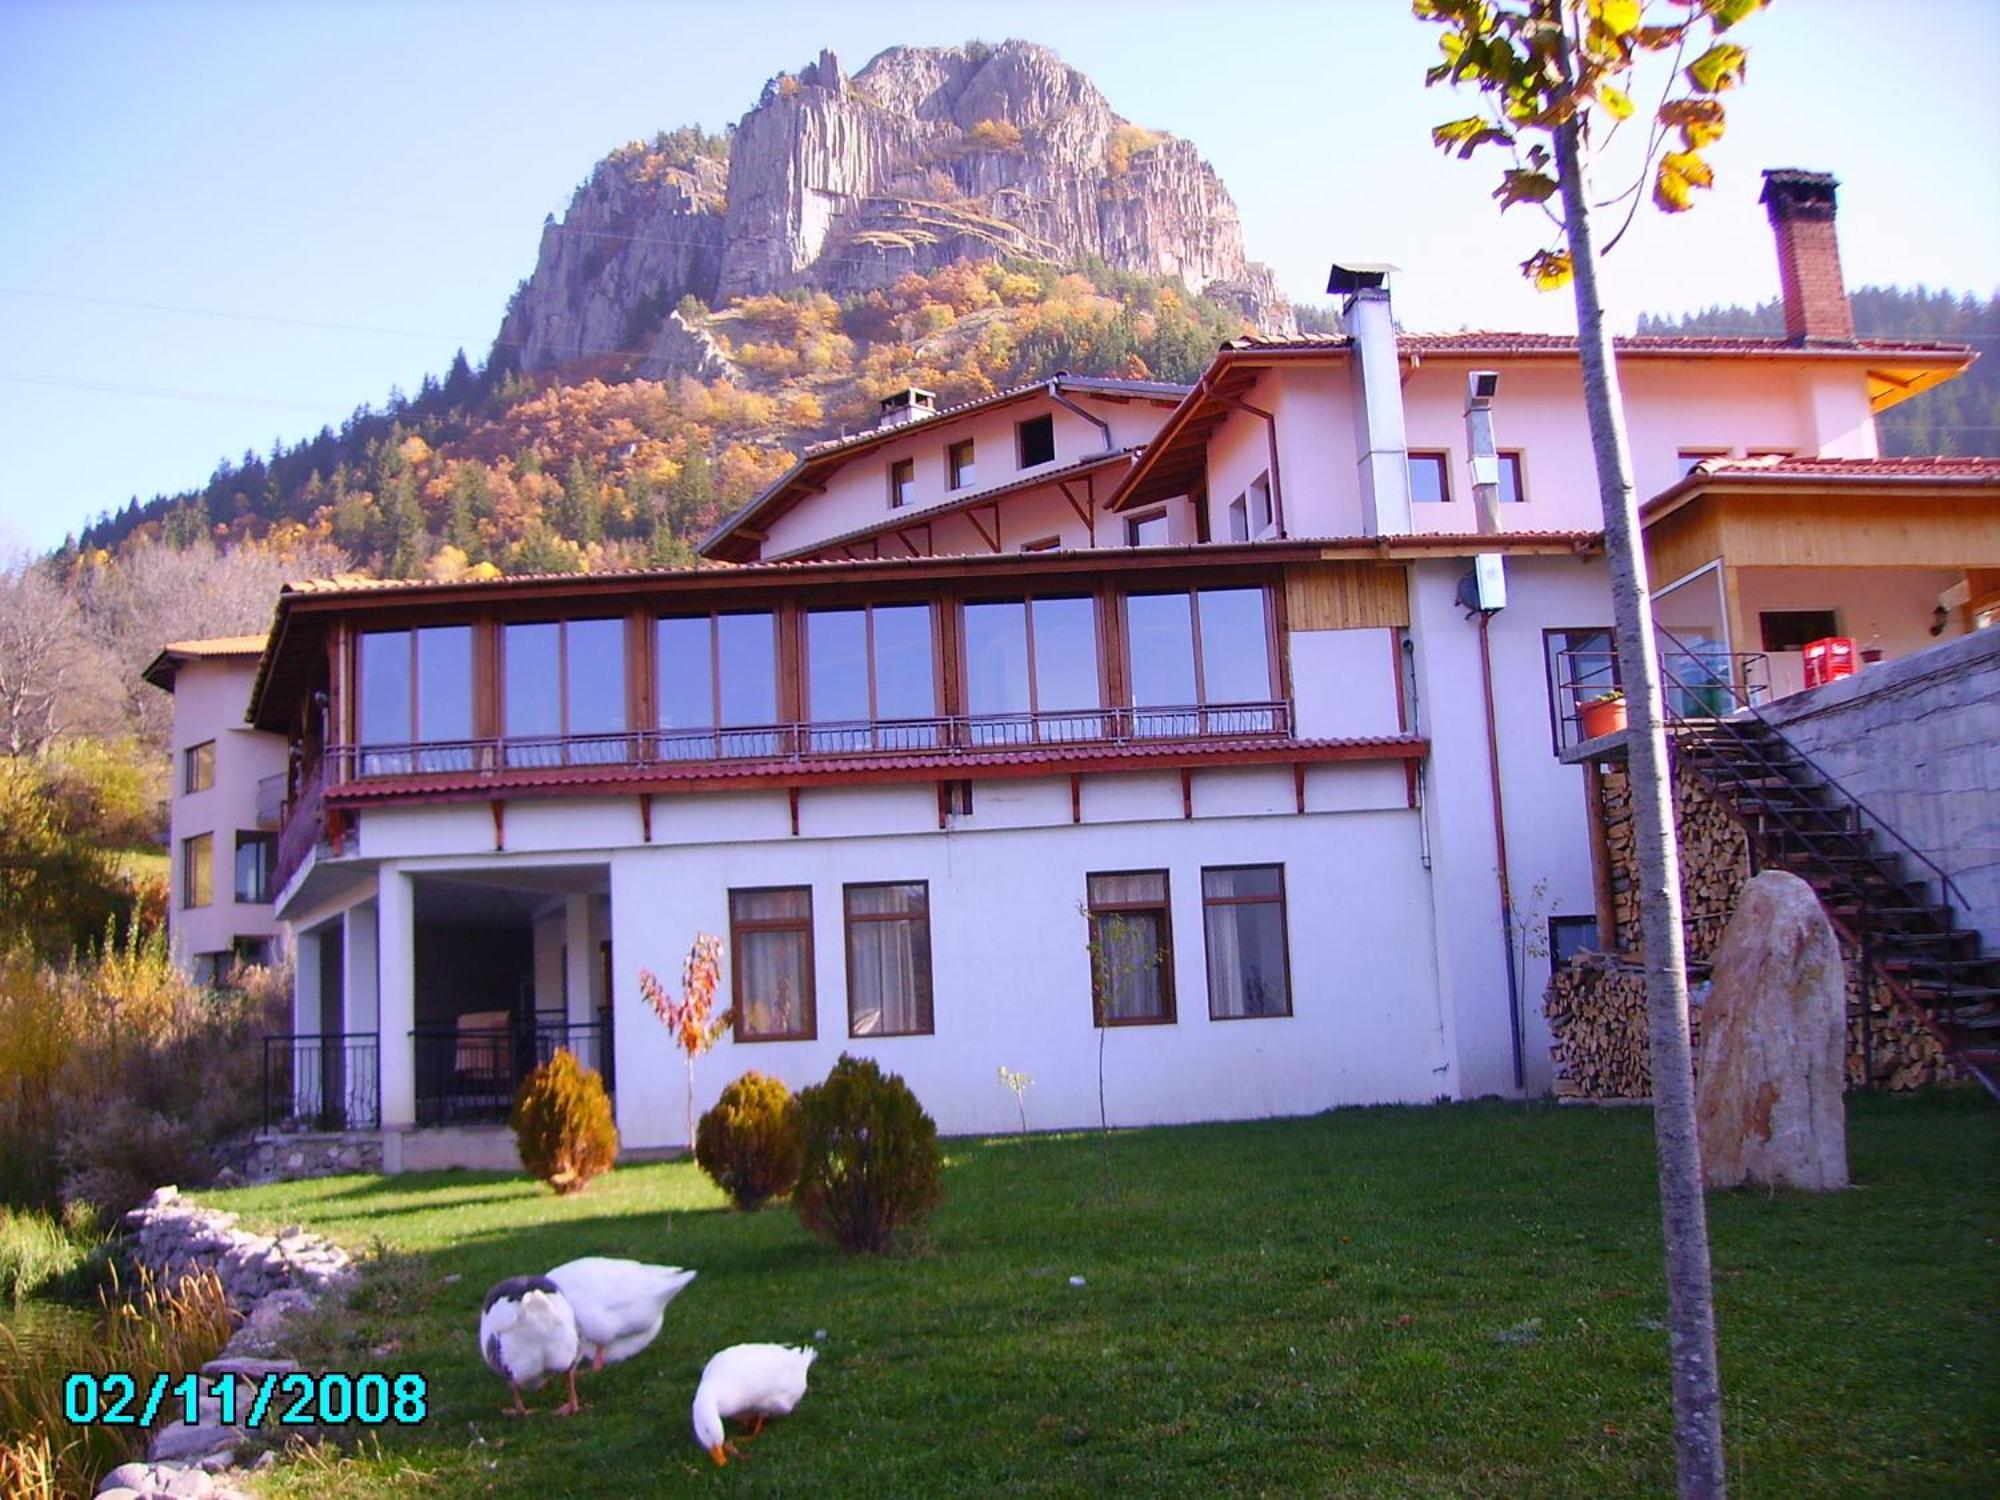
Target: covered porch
(423, 1005)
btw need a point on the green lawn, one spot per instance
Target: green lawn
(1453, 1301)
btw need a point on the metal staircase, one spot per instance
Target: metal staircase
(1894, 907)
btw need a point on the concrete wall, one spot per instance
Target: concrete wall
(1918, 740)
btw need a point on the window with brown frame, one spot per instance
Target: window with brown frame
(416, 688)
(888, 959)
(716, 692)
(902, 482)
(1513, 478)
(1036, 439)
(959, 464)
(1131, 948)
(1243, 922)
(1031, 670)
(1194, 653)
(1148, 529)
(198, 870)
(563, 692)
(198, 767)
(770, 935)
(256, 853)
(1430, 477)
(866, 669)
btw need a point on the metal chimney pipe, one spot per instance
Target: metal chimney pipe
(1378, 413)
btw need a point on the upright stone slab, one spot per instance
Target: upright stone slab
(1774, 1045)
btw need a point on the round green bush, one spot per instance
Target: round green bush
(563, 1125)
(749, 1143)
(870, 1157)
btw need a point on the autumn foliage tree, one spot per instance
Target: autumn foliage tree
(1556, 81)
(691, 1019)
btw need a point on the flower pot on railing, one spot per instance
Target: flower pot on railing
(1602, 716)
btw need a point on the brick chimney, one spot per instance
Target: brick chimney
(1801, 207)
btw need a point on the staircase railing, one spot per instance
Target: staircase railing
(1769, 753)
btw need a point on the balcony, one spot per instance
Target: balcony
(952, 739)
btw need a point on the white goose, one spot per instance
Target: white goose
(619, 1304)
(527, 1332)
(748, 1380)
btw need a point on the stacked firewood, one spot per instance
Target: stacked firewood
(1596, 1004)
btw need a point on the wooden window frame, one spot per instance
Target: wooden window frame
(1442, 457)
(936, 604)
(849, 917)
(483, 688)
(190, 864)
(191, 760)
(1284, 906)
(896, 466)
(739, 926)
(1021, 443)
(1141, 518)
(714, 619)
(1165, 907)
(1517, 458)
(1273, 654)
(562, 674)
(955, 470)
(1028, 602)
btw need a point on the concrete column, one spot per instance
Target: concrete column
(361, 1007)
(579, 959)
(305, 1020)
(396, 996)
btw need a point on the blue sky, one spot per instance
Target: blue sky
(229, 222)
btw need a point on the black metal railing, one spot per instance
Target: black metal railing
(1698, 680)
(950, 735)
(323, 1081)
(469, 1075)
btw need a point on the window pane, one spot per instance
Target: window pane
(200, 768)
(198, 870)
(531, 680)
(771, 906)
(747, 645)
(888, 960)
(996, 660)
(904, 688)
(837, 665)
(1128, 889)
(771, 984)
(444, 683)
(1131, 964)
(1257, 881)
(385, 688)
(1066, 665)
(253, 866)
(596, 651)
(1038, 441)
(1510, 479)
(1235, 656)
(902, 481)
(1146, 531)
(1246, 961)
(686, 687)
(1162, 645)
(1427, 478)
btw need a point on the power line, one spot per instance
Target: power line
(216, 398)
(217, 312)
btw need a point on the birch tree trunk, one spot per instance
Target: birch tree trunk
(1697, 1386)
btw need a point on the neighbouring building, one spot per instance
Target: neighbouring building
(225, 811)
(1245, 714)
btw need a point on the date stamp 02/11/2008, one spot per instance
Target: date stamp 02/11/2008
(297, 1399)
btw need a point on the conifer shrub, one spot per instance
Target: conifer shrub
(870, 1163)
(562, 1124)
(749, 1143)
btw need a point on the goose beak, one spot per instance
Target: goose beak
(717, 1454)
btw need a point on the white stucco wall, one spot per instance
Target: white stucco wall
(210, 697)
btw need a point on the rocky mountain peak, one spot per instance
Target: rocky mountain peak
(928, 155)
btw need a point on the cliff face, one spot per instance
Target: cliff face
(926, 156)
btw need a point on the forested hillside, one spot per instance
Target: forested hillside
(1961, 416)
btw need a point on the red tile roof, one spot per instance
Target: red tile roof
(1823, 475)
(1484, 344)
(160, 672)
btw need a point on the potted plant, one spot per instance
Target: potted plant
(1602, 715)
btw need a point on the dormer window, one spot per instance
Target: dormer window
(958, 463)
(902, 482)
(1037, 438)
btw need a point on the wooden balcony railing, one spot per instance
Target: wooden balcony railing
(304, 823)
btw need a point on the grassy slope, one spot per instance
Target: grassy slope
(1285, 1308)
